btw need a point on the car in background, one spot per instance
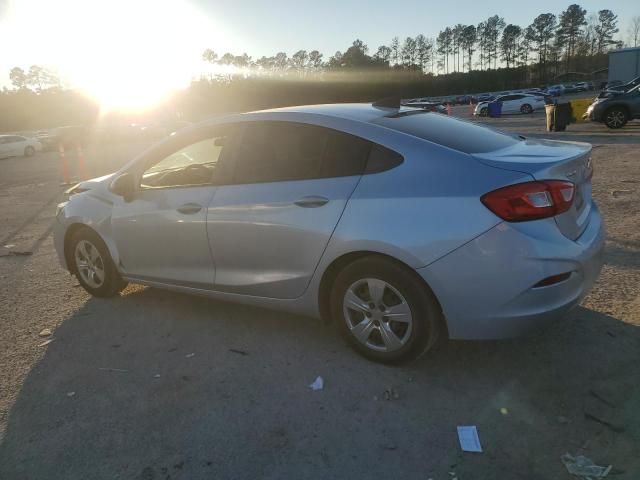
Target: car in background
(615, 109)
(624, 87)
(394, 223)
(18, 146)
(485, 97)
(436, 107)
(513, 103)
(556, 90)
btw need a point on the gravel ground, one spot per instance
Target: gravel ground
(159, 385)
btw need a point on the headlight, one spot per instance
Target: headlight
(76, 189)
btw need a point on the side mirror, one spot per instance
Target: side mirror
(124, 185)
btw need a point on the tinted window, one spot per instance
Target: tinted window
(284, 151)
(460, 135)
(195, 164)
(345, 155)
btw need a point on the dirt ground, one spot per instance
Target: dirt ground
(160, 385)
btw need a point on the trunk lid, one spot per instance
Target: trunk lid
(552, 160)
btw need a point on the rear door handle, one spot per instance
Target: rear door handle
(312, 201)
(189, 208)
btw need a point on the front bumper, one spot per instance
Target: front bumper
(59, 229)
(486, 289)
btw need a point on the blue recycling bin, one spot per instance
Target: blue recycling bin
(495, 109)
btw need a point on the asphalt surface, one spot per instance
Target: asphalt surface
(160, 385)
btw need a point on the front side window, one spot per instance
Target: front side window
(196, 164)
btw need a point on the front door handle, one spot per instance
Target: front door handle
(312, 201)
(190, 208)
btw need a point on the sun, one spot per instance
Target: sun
(126, 54)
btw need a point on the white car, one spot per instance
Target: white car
(17, 146)
(513, 103)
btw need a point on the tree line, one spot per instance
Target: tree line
(549, 46)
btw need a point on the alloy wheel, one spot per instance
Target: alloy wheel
(615, 118)
(377, 315)
(89, 263)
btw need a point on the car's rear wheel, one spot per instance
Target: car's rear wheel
(615, 118)
(384, 311)
(92, 265)
(29, 151)
(526, 108)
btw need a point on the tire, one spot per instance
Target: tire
(615, 118)
(98, 276)
(526, 108)
(392, 289)
(484, 111)
(29, 151)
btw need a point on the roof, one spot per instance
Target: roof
(628, 49)
(363, 112)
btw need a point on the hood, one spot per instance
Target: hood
(98, 183)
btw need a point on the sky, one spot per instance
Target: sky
(106, 45)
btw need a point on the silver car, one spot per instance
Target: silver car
(401, 226)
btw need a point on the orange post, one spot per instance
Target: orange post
(65, 164)
(81, 165)
(448, 109)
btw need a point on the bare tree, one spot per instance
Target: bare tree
(634, 31)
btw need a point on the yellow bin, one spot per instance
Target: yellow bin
(579, 108)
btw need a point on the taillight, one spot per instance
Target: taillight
(530, 200)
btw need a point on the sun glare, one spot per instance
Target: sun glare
(127, 55)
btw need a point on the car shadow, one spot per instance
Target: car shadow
(158, 385)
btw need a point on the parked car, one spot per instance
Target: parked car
(513, 103)
(485, 97)
(429, 106)
(392, 222)
(17, 146)
(615, 109)
(625, 87)
(556, 90)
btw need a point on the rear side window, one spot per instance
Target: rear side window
(449, 132)
(285, 151)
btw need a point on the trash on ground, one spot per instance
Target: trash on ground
(504, 411)
(562, 419)
(70, 394)
(16, 254)
(582, 466)
(318, 384)
(190, 355)
(613, 427)
(46, 332)
(597, 396)
(391, 394)
(45, 343)
(10, 245)
(105, 369)
(157, 375)
(239, 352)
(469, 440)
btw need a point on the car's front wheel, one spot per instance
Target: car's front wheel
(92, 265)
(29, 151)
(526, 108)
(484, 111)
(384, 311)
(615, 118)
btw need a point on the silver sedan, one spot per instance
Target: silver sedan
(402, 227)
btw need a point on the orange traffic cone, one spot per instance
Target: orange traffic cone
(81, 165)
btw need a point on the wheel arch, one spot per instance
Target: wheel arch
(620, 106)
(333, 269)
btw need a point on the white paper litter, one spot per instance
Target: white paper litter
(318, 384)
(469, 440)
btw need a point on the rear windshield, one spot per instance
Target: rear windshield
(460, 135)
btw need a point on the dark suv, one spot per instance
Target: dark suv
(615, 109)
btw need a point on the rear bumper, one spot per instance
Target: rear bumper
(486, 289)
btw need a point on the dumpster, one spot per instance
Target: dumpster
(495, 109)
(558, 116)
(579, 108)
